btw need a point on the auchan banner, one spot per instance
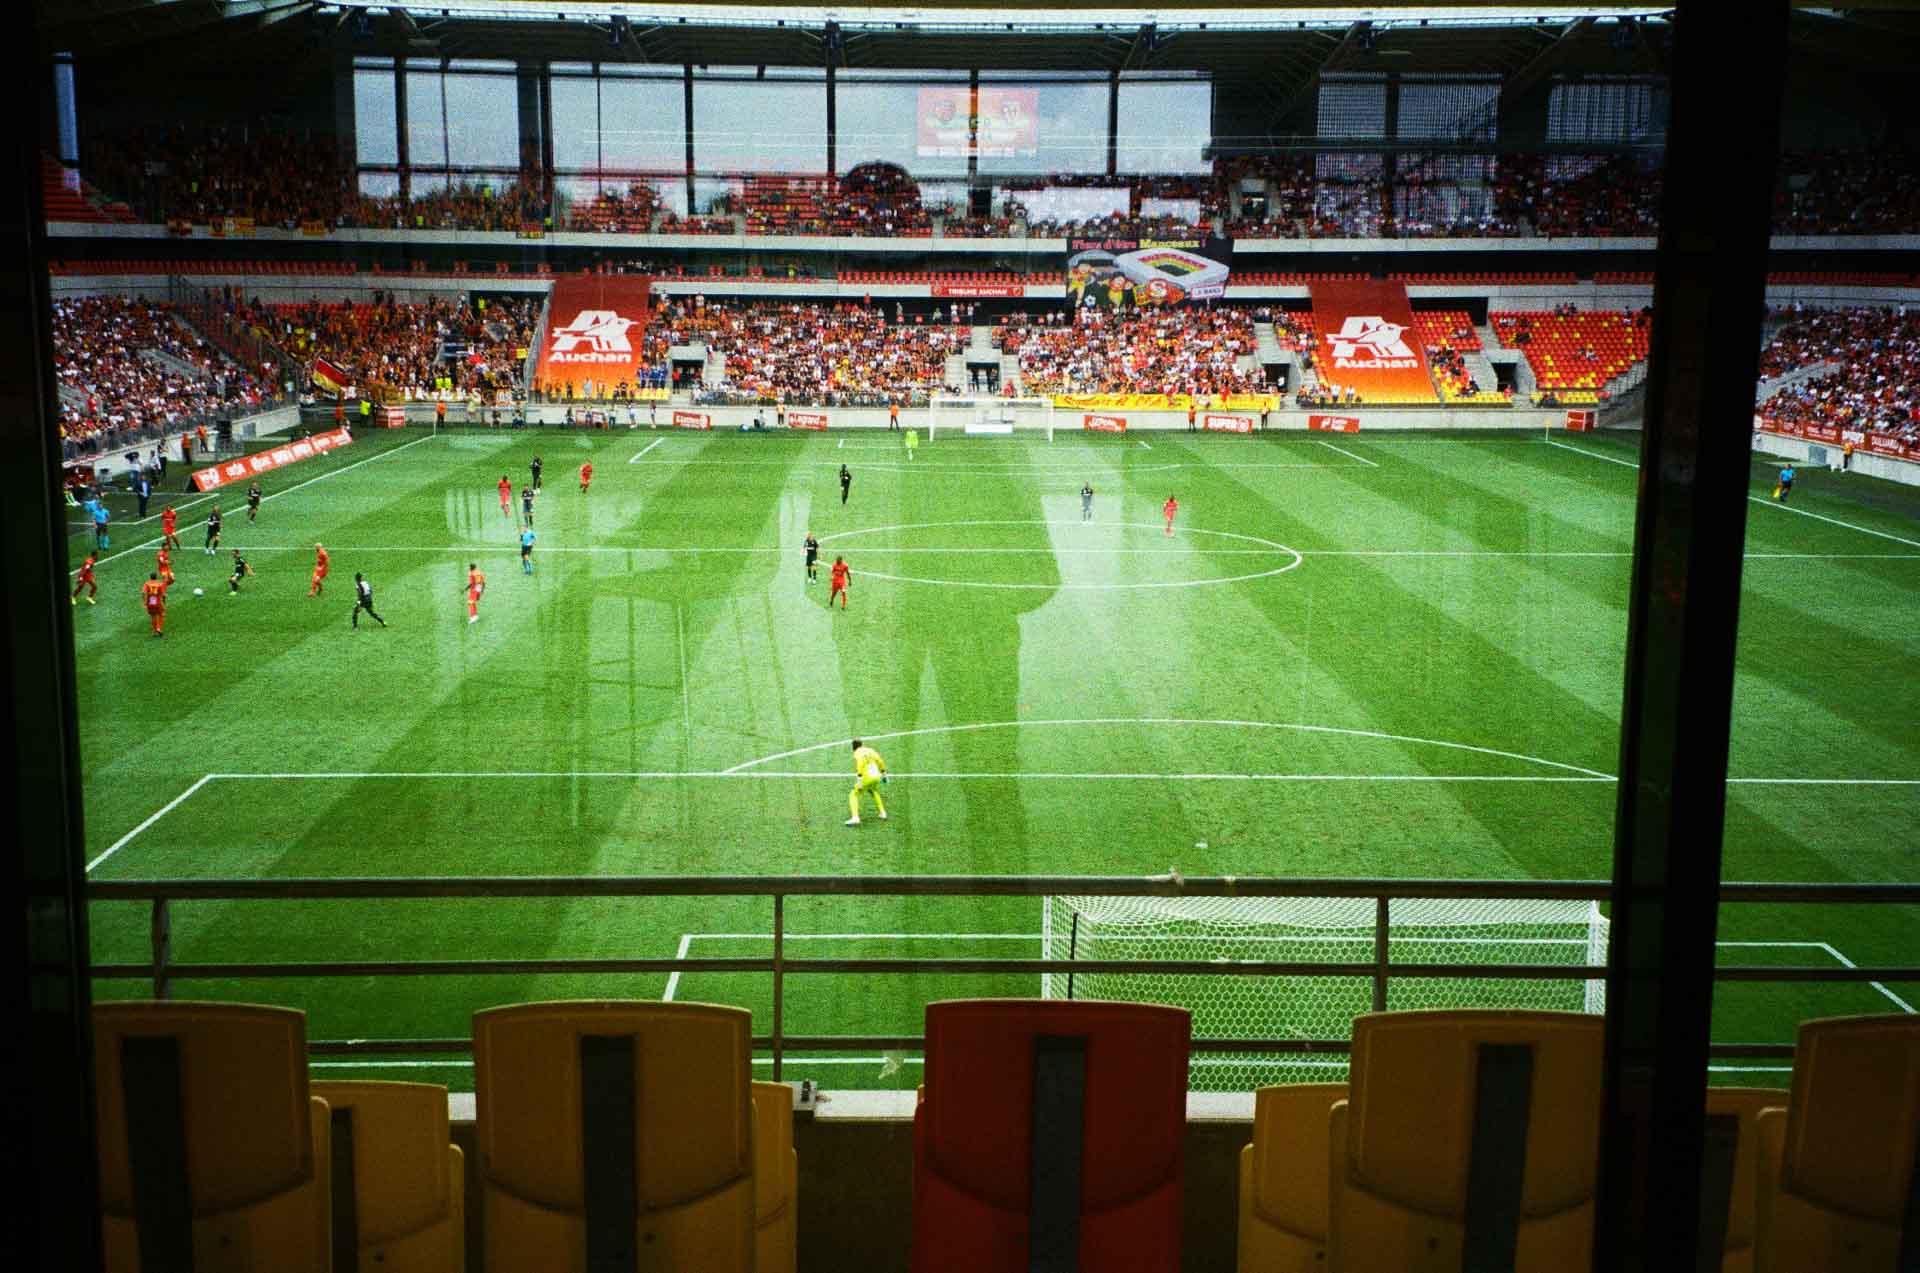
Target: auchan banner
(252, 466)
(594, 326)
(1367, 342)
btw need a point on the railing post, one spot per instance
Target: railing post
(779, 980)
(1380, 905)
(161, 934)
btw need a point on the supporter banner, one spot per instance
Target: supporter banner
(330, 377)
(250, 466)
(692, 420)
(595, 322)
(1363, 329)
(1334, 423)
(1250, 402)
(1212, 423)
(976, 289)
(1104, 423)
(180, 226)
(232, 227)
(1121, 273)
(313, 229)
(531, 232)
(806, 420)
(1163, 401)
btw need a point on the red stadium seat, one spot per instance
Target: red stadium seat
(1106, 1085)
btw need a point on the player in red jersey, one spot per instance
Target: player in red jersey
(476, 584)
(586, 476)
(506, 498)
(153, 594)
(169, 523)
(86, 580)
(321, 562)
(837, 585)
(163, 565)
(1168, 509)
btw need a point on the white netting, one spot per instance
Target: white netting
(1315, 930)
(988, 415)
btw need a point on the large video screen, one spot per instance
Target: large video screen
(1008, 125)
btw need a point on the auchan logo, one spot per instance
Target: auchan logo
(1369, 341)
(602, 331)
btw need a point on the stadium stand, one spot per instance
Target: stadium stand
(1447, 336)
(399, 1184)
(1577, 196)
(1283, 1179)
(213, 1150)
(1049, 1134)
(1837, 1170)
(1874, 386)
(1848, 192)
(1431, 1110)
(615, 1123)
(396, 349)
(1575, 353)
(1204, 352)
(68, 198)
(127, 370)
(844, 354)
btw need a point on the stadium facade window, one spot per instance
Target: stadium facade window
(1352, 106)
(482, 120)
(426, 115)
(1447, 109)
(900, 122)
(1347, 193)
(576, 123)
(643, 123)
(1036, 124)
(1603, 110)
(380, 185)
(743, 123)
(1164, 126)
(376, 120)
(1443, 192)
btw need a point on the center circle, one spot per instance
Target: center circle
(1277, 549)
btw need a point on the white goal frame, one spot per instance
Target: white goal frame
(985, 414)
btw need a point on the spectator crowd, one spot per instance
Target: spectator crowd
(1196, 350)
(1876, 386)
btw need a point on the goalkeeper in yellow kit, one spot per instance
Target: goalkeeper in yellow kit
(869, 771)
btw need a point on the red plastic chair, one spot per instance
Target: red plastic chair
(987, 1192)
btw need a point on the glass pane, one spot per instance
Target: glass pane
(376, 130)
(643, 125)
(886, 123)
(1450, 110)
(1043, 128)
(380, 185)
(576, 125)
(426, 120)
(1164, 128)
(1353, 107)
(483, 121)
(759, 126)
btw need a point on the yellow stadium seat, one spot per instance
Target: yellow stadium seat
(1745, 1103)
(615, 1126)
(1837, 1165)
(1283, 1180)
(776, 1180)
(1402, 1146)
(407, 1194)
(212, 1149)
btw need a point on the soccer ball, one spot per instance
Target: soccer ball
(199, 592)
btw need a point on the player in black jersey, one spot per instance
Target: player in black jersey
(846, 483)
(253, 501)
(241, 570)
(213, 530)
(813, 558)
(363, 600)
(526, 503)
(535, 466)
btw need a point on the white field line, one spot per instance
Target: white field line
(162, 812)
(276, 495)
(1144, 444)
(643, 450)
(686, 687)
(1349, 454)
(1903, 1004)
(1755, 499)
(673, 981)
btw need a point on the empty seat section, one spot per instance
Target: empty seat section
(399, 1183)
(1050, 1134)
(1283, 1180)
(1509, 1101)
(608, 1128)
(213, 1151)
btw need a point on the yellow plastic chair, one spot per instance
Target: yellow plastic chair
(776, 1179)
(205, 1118)
(408, 1188)
(1837, 1164)
(1746, 1104)
(1401, 1146)
(1283, 1179)
(644, 1107)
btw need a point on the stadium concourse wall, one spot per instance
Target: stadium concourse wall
(1802, 451)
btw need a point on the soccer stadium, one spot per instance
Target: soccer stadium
(707, 637)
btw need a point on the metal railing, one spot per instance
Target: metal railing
(1379, 971)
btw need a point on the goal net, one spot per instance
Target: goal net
(1314, 930)
(988, 415)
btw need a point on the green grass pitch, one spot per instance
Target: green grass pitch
(1387, 655)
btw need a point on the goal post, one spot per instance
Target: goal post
(1315, 930)
(988, 415)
